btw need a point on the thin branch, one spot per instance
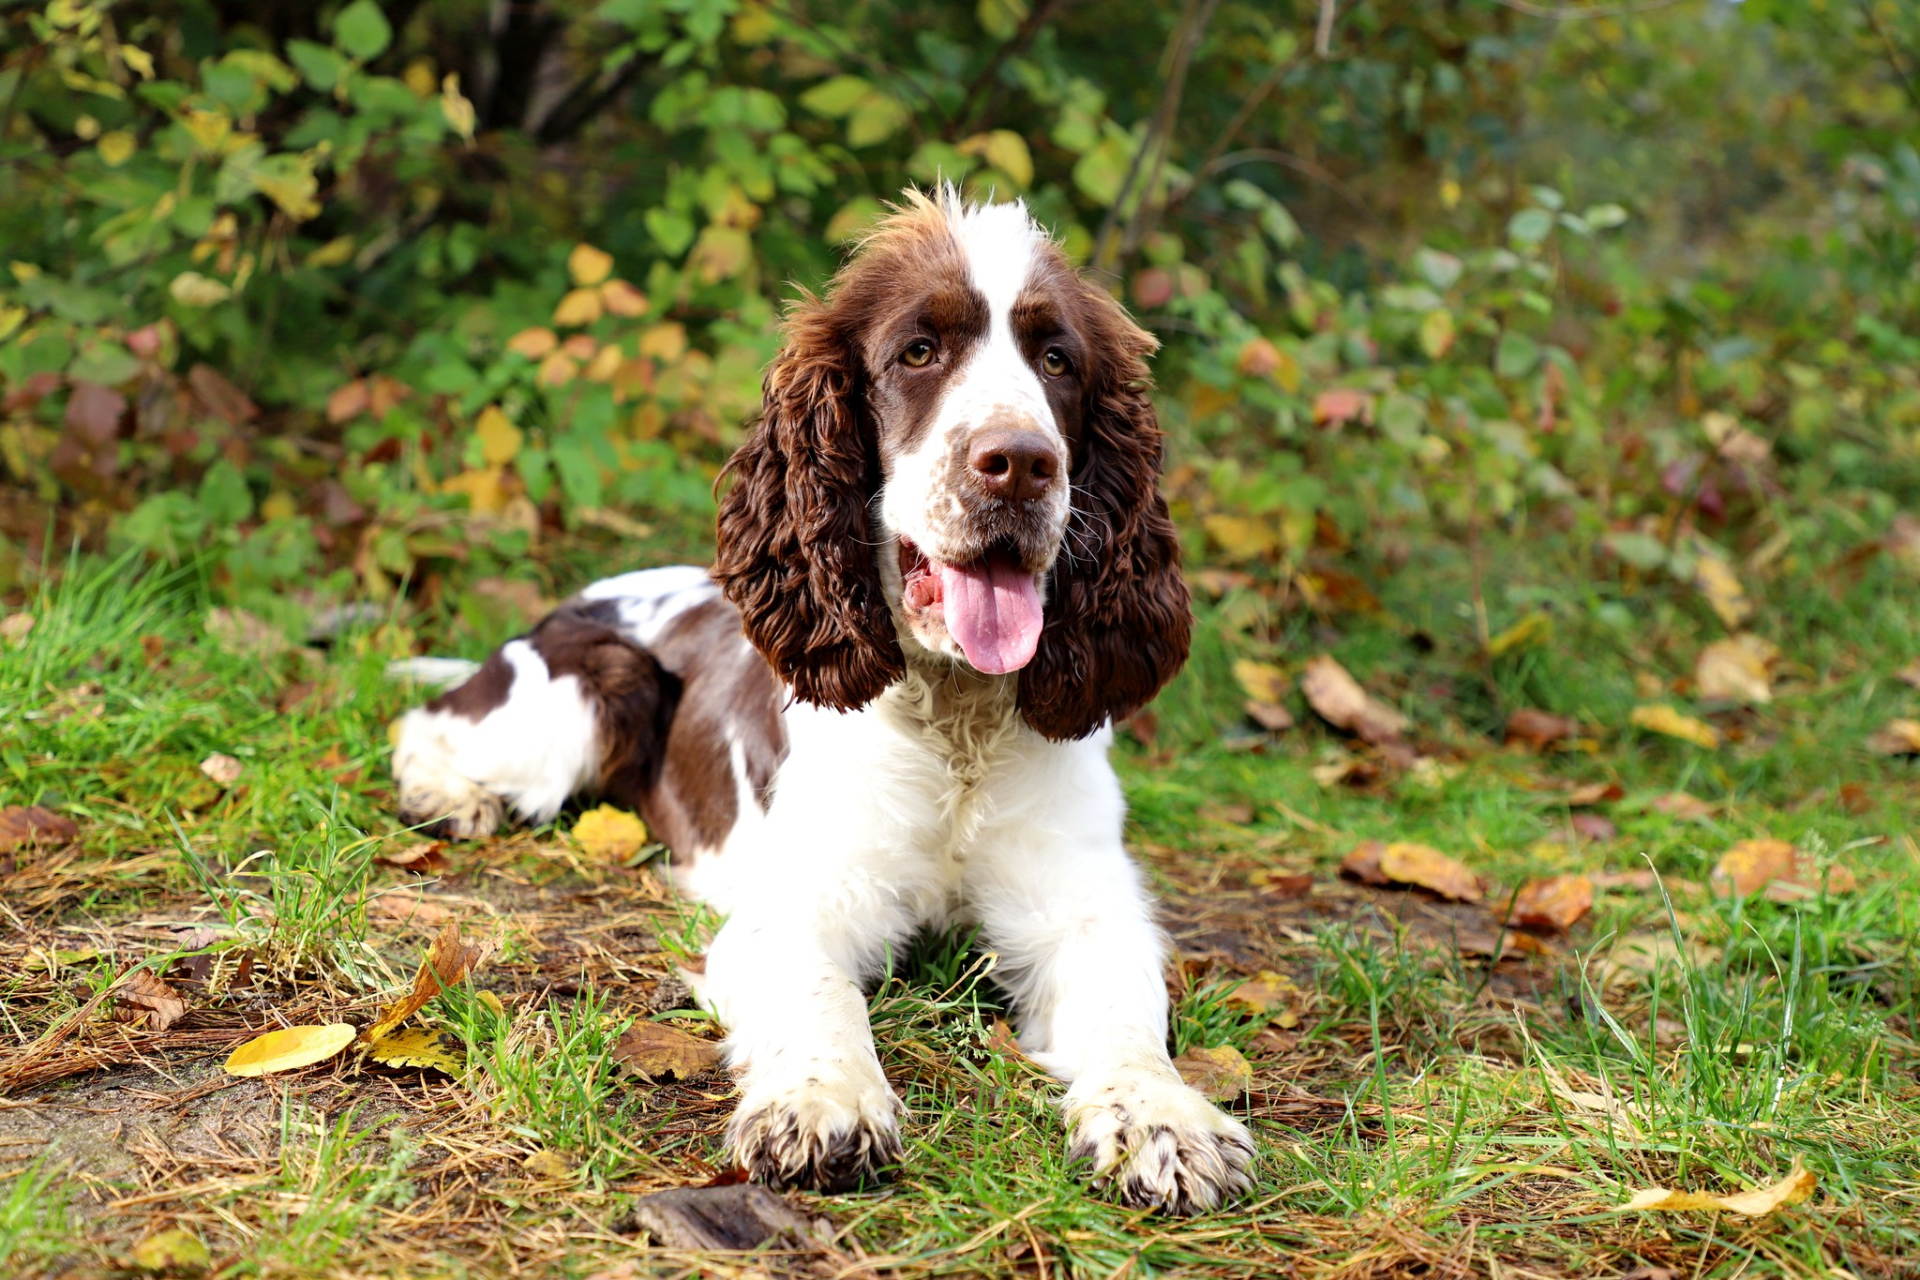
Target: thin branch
(973, 101)
(1227, 135)
(1323, 32)
(586, 100)
(1300, 165)
(1186, 37)
(1894, 59)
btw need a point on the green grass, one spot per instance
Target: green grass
(1419, 1106)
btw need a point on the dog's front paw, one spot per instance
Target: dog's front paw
(826, 1133)
(1157, 1144)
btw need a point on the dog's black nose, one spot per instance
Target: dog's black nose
(1014, 465)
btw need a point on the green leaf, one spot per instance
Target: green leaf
(1641, 550)
(320, 66)
(1530, 226)
(836, 97)
(362, 30)
(1516, 355)
(671, 230)
(1101, 170)
(875, 120)
(1441, 270)
(224, 497)
(1001, 18)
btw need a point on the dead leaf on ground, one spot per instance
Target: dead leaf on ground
(406, 906)
(1736, 670)
(222, 768)
(172, 1251)
(1532, 727)
(1273, 994)
(1266, 686)
(1422, 866)
(1721, 587)
(1593, 793)
(1638, 954)
(289, 1048)
(1896, 738)
(1282, 885)
(1363, 863)
(428, 857)
(1337, 698)
(1776, 868)
(608, 834)
(1221, 1074)
(550, 1165)
(14, 628)
(661, 1053)
(1553, 904)
(246, 634)
(417, 1047)
(23, 825)
(1909, 674)
(147, 999)
(450, 961)
(1679, 804)
(1792, 1189)
(1592, 826)
(1663, 719)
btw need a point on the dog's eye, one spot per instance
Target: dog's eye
(1055, 362)
(918, 355)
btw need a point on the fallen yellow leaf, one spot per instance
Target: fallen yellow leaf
(1718, 583)
(499, 439)
(171, 1251)
(417, 1047)
(1896, 738)
(1736, 670)
(1663, 719)
(1530, 632)
(1221, 1074)
(1792, 1189)
(1554, 903)
(289, 1048)
(1339, 700)
(1778, 869)
(449, 962)
(610, 834)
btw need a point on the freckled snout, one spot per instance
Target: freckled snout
(1013, 465)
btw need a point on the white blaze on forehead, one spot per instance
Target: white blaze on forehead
(1000, 242)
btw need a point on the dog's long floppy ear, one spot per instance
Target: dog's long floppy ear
(1119, 618)
(796, 554)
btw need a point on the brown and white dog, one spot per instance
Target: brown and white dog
(944, 567)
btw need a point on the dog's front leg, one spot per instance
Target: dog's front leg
(1079, 951)
(783, 975)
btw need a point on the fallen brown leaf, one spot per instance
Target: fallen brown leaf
(14, 628)
(1792, 1189)
(1594, 793)
(246, 634)
(1553, 904)
(1909, 674)
(1221, 1074)
(147, 999)
(1337, 698)
(1776, 868)
(23, 825)
(1282, 885)
(1678, 804)
(449, 962)
(1896, 738)
(1532, 727)
(406, 906)
(661, 1053)
(1272, 994)
(222, 768)
(1592, 826)
(1363, 863)
(427, 857)
(1427, 868)
(1736, 670)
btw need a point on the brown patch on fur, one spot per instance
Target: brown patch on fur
(481, 693)
(634, 698)
(729, 690)
(1118, 619)
(794, 529)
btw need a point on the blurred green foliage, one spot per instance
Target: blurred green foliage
(347, 296)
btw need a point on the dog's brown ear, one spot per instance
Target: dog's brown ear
(1119, 618)
(795, 554)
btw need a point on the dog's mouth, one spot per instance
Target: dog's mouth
(991, 605)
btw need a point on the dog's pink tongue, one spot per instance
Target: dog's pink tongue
(993, 610)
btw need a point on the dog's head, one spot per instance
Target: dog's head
(957, 456)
